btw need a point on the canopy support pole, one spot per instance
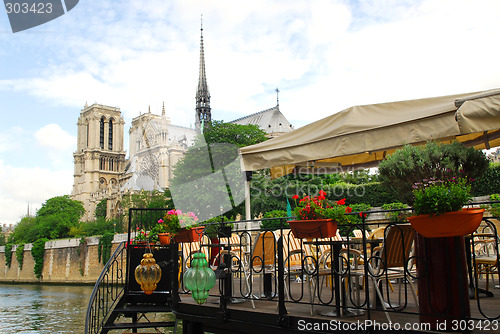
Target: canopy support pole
(248, 215)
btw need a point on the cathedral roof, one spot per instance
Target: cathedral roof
(270, 120)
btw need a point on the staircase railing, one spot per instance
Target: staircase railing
(107, 291)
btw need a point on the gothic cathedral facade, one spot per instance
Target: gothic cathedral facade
(155, 146)
(99, 157)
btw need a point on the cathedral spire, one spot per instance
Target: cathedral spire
(203, 111)
(163, 109)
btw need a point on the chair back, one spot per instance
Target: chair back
(397, 245)
(293, 249)
(265, 247)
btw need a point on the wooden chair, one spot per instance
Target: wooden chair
(487, 255)
(391, 261)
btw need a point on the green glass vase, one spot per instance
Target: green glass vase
(199, 278)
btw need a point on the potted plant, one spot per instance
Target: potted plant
(438, 205)
(160, 229)
(144, 237)
(183, 226)
(317, 217)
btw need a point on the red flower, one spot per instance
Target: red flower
(295, 196)
(347, 209)
(341, 202)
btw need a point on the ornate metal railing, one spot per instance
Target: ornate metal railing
(357, 283)
(108, 290)
(337, 277)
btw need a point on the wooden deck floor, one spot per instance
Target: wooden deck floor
(490, 306)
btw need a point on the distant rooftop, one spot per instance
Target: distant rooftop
(271, 120)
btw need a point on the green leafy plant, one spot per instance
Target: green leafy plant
(436, 197)
(274, 224)
(412, 164)
(396, 216)
(38, 252)
(20, 255)
(104, 248)
(213, 226)
(318, 207)
(494, 208)
(8, 255)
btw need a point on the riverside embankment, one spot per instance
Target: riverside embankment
(70, 261)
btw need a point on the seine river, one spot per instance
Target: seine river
(43, 309)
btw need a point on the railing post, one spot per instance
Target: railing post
(281, 284)
(174, 275)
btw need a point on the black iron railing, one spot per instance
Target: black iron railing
(369, 276)
(108, 290)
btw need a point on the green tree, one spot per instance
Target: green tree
(2, 237)
(26, 231)
(101, 209)
(210, 166)
(56, 217)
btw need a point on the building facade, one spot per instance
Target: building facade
(99, 157)
(155, 147)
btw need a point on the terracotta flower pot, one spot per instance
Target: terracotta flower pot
(164, 238)
(319, 228)
(449, 224)
(189, 235)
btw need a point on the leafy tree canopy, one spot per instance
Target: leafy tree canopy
(57, 215)
(101, 209)
(202, 178)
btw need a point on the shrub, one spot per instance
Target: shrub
(8, 255)
(38, 252)
(104, 248)
(488, 183)
(412, 164)
(274, 224)
(20, 255)
(396, 216)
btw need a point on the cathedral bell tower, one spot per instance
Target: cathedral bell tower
(203, 111)
(99, 157)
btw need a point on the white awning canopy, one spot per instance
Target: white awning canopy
(362, 136)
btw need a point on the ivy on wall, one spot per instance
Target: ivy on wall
(38, 252)
(20, 255)
(104, 249)
(8, 255)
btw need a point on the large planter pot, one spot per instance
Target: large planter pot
(164, 238)
(308, 229)
(449, 224)
(189, 235)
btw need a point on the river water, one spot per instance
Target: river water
(46, 309)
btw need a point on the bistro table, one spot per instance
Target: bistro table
(336, 247)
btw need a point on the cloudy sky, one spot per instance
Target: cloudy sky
(323, 55)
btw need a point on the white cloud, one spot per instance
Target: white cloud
(9, 140)
(53, 137)
(22, 186)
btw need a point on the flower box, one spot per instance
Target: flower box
(318, 228)
(164, 238)
(449, 224)
(189, 235)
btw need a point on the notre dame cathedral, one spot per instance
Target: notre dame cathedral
(155, 146)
